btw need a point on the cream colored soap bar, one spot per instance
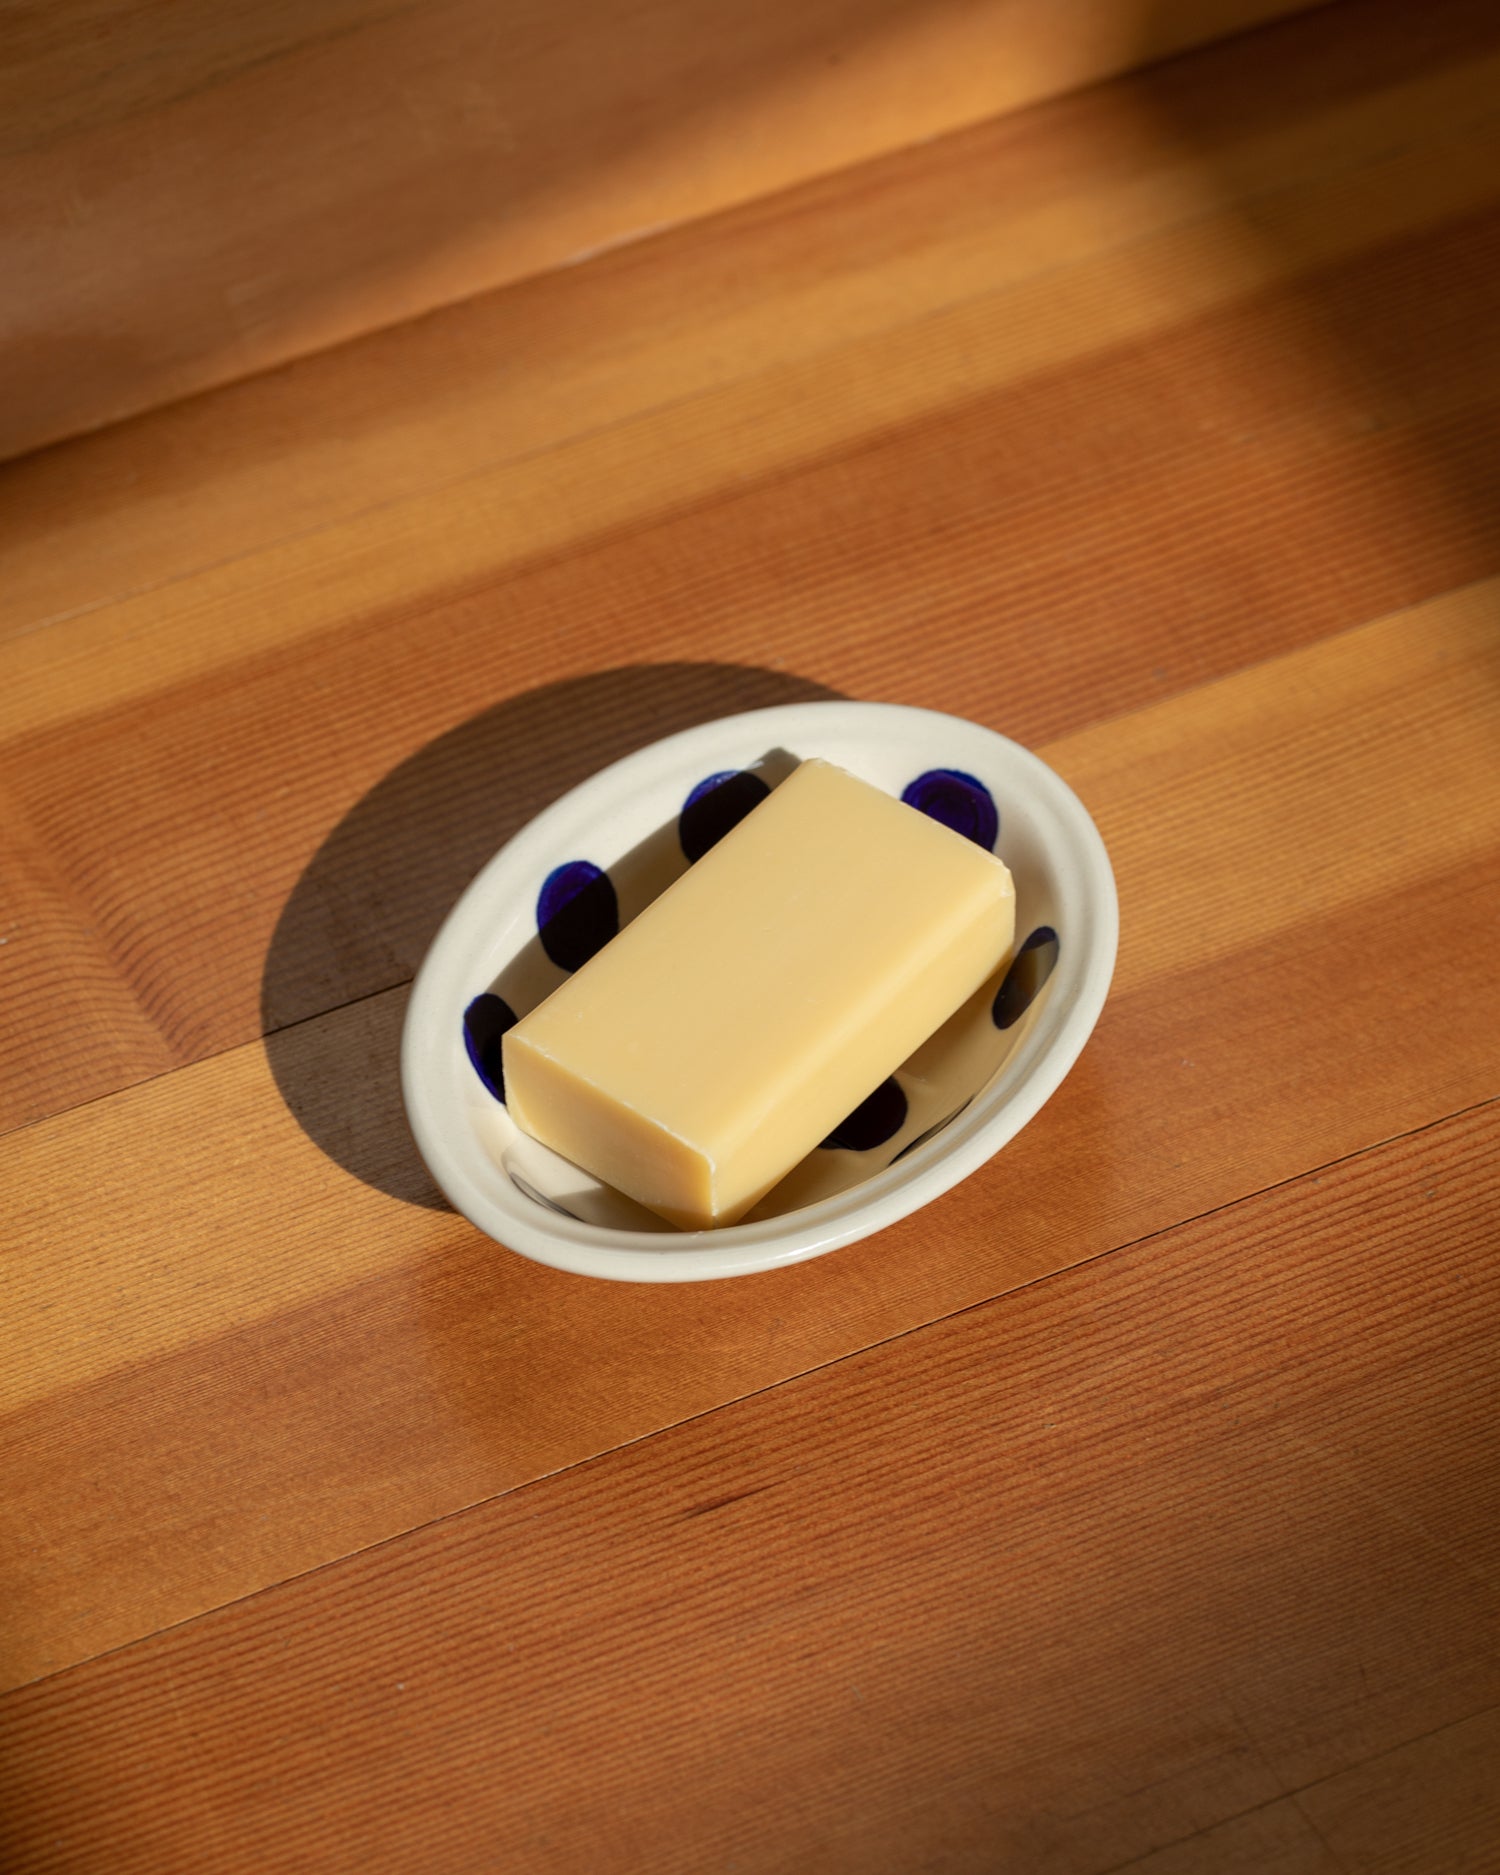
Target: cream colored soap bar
(725, 1032)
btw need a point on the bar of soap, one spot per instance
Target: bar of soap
(712, 1044)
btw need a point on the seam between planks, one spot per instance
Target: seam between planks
(1231, 209)
(792, 1380)
(1047, 751)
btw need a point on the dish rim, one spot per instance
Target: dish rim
(1082, 880)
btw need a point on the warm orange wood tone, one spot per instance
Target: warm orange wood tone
(1049, 1584)
(172, 1316)
(1135, 1506)
(753, 343)
(1275, 448)
(189, 192)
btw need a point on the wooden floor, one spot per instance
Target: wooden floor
(1136, 1505)
(194, 192)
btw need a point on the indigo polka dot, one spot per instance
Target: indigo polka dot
(485, 1020)
(958, 801)
(576, 913)
(1033, 964)
(878, 1117)
(714, 806)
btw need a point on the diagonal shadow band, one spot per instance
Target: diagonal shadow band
(371, 899)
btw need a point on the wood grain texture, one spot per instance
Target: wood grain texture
(1274, 1839)
(1421, 1808)
(194, 192)
(1209, 492)
(1214, 176)
(288, 1274)
(1206, 1526)
(1133, 1506)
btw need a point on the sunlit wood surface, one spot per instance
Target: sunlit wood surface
(191, 190)
(1137, 1505)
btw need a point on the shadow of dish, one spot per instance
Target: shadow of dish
(371, 900)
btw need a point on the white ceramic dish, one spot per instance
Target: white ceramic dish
(961, 1097)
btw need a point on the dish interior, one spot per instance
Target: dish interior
(577, 899)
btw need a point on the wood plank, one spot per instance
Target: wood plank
(159, 1446)
(1272, 1839)
(1248, 397)
(1429, 1805)
(916, 564)
(1225, 836)
(1330, 141)
(1428, 1808)
(196, 198)
(1080, 1595)
(1134, 1506)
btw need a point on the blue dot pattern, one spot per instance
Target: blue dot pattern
(576, 913)
(485, 1021)
(707, 786)
(957, 800)
(1033, 963)
(878, 1117)
(718, 803)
